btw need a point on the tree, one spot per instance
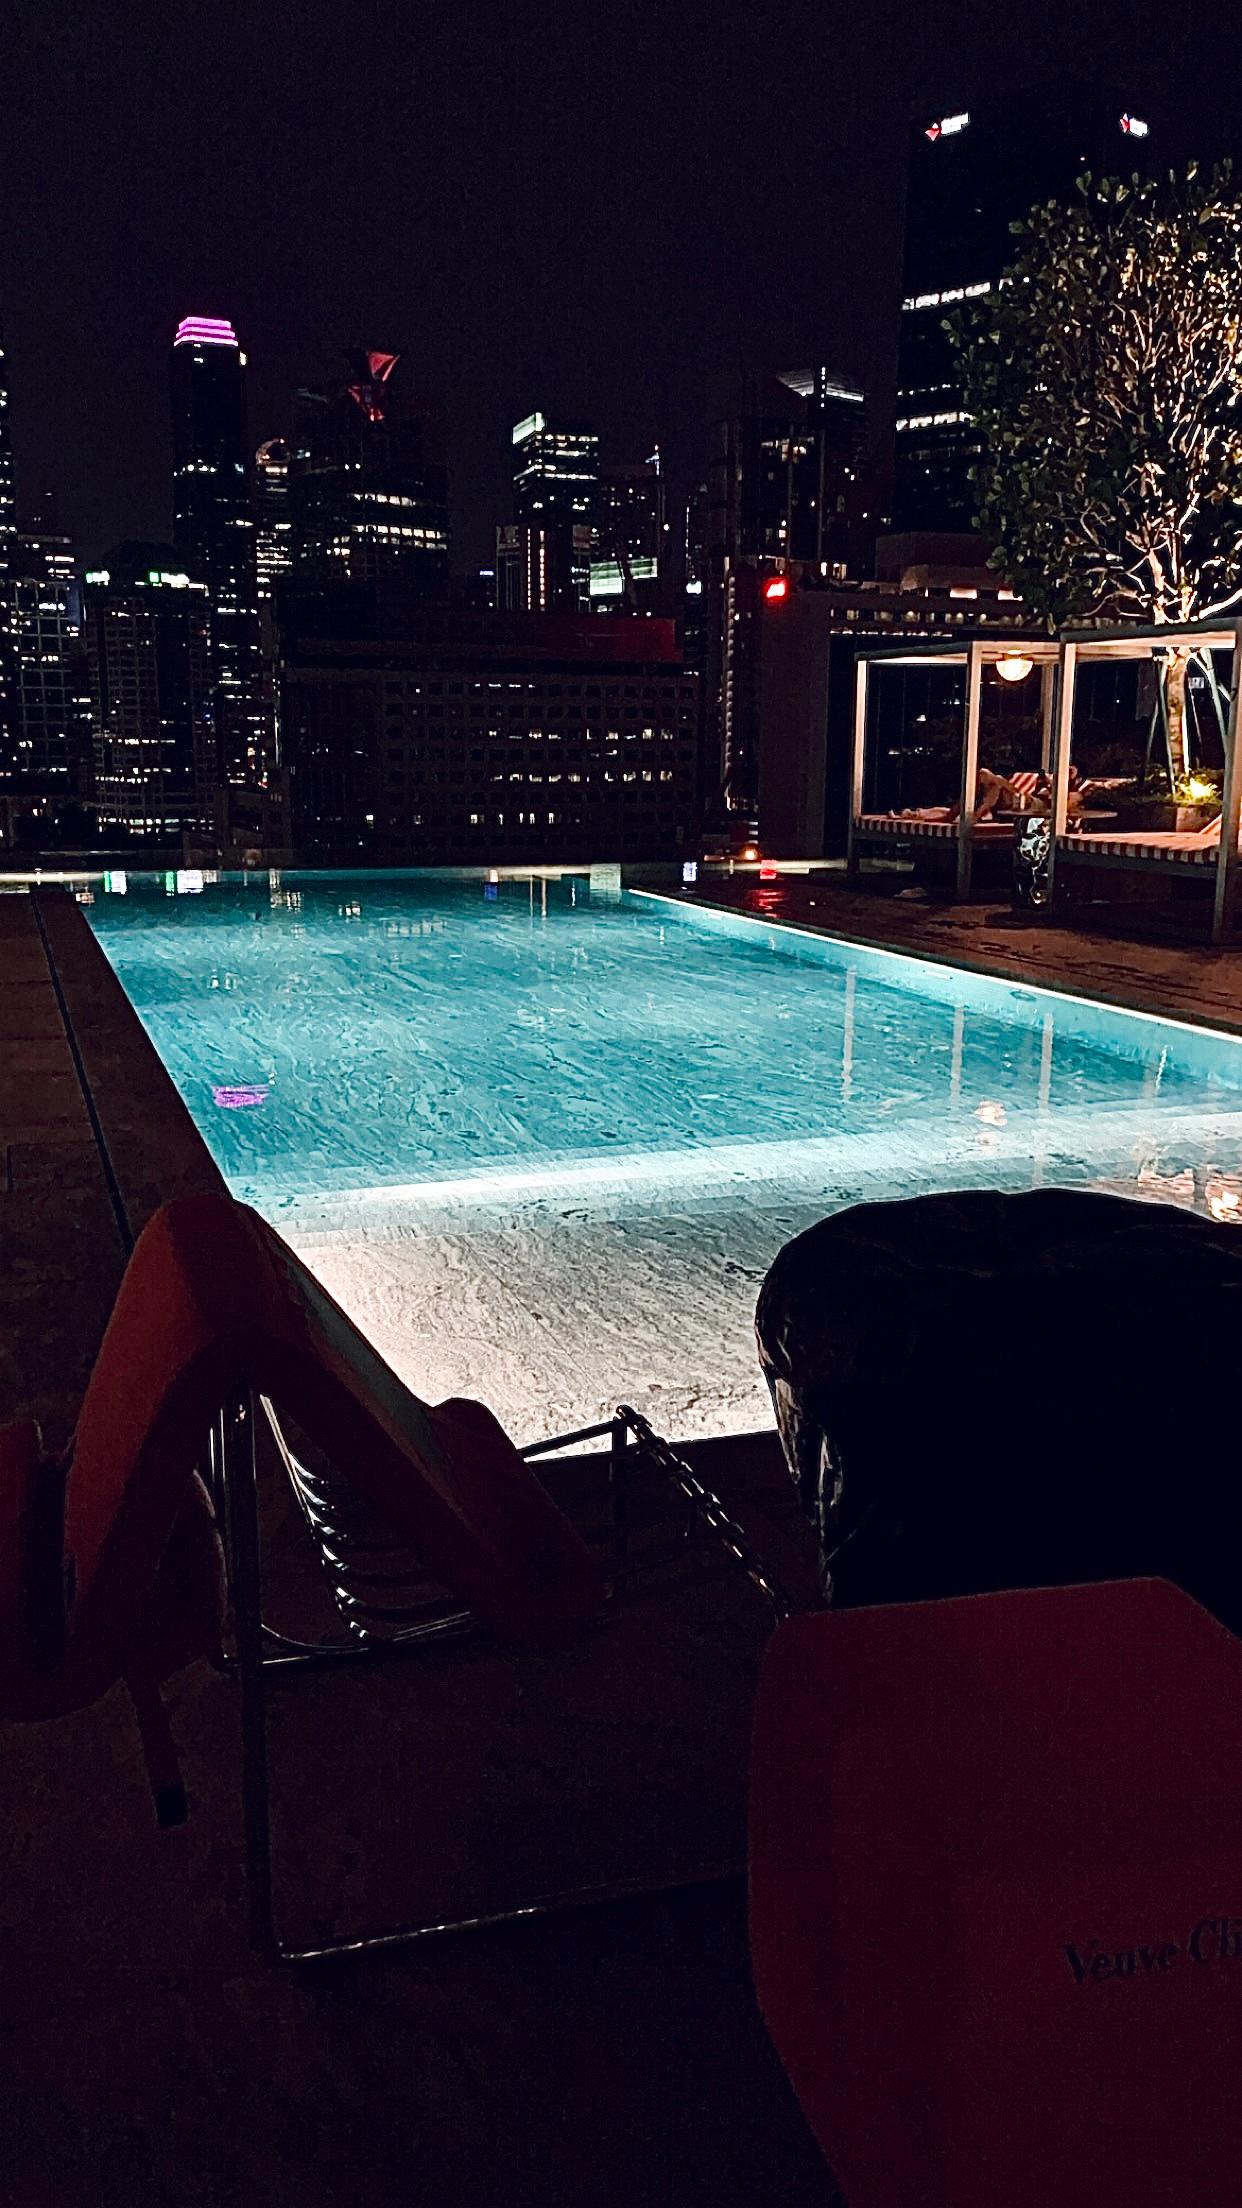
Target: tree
(1105, 374)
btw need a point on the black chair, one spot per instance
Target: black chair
(979, 1391)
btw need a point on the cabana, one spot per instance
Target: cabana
(953, 826)
(1089, 861)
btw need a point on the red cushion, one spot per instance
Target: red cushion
(996, 1896)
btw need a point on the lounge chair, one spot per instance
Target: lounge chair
(109, 1562)
(1159, 848)
(909, 833)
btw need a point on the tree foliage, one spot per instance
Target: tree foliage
(1105, 374)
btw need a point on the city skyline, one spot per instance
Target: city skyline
(742, 208)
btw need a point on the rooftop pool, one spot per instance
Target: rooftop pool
(542, 1137)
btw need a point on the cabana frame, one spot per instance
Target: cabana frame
(874, 830)
(1147, 856)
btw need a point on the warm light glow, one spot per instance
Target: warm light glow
(777, 588)
(1222, 1193)
(1014, 668)
(750, 852)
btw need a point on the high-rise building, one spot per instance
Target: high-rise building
(368, 487)
(489, 738)
(149, 641)
(273, 516)
(545, 557)
(630, 562)
(8, 543)
(786, 487)
(972, 174)
(51, 694)
(214, 532)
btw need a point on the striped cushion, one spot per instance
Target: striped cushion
(1025, 783)
(1185, 850)
(901, 824)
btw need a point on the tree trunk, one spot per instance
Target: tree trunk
(1175, 713)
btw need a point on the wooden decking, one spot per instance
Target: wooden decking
(93, 1136)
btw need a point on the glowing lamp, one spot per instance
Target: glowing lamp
(750, 852)
(1014, 667)
(777, 588)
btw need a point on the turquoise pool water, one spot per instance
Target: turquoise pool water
(334, 1033)
(544, 1139)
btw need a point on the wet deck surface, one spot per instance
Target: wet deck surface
(1180, 980)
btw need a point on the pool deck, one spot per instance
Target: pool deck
(93, 1137)
(612, 2057)
(1181, 981)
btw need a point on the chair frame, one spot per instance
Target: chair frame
(260, 1653)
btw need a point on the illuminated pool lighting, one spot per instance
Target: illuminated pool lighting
(543, 1143)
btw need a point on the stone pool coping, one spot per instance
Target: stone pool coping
(93, 1138)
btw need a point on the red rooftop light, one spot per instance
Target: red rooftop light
(777, 588)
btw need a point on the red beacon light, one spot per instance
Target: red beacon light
(777, 588)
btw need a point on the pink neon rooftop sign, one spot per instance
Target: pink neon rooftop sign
(204, 329)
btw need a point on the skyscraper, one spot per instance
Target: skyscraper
(273, 516)
(972, 174)
(555, 486)
(369, 488)
(149, 636)
(8, 543)
(630, 561)
(51, 697)
(214, 531)
(785, 491)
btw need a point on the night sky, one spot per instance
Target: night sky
(608, 209)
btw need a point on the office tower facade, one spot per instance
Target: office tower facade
(971, 175)
(214, 532)
(490, 739)
(369, 488)
(785, 490)
(8, 546)
(555, 486)
(630, 561)
(273, 516)
(51, 695)
(151, 670)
